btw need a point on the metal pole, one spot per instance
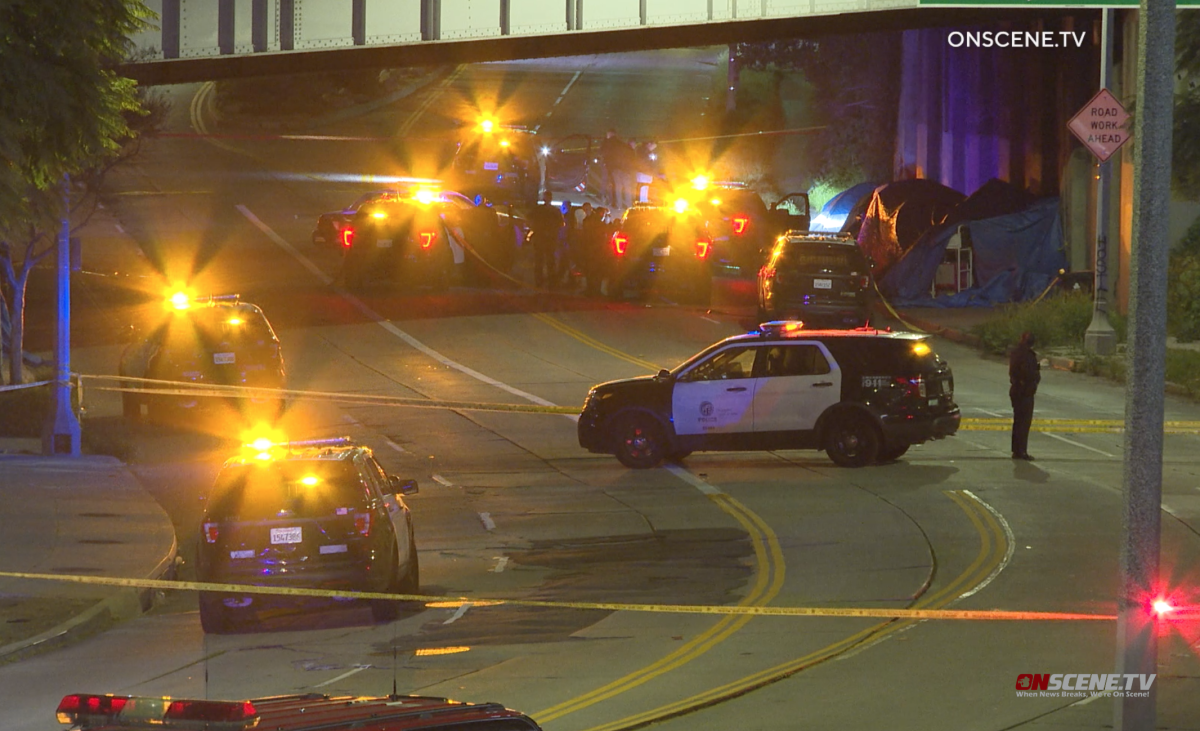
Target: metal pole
(1137, 641)
(61, 435)
(1100, 337)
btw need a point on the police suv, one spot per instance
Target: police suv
(306, 712)
(863, 396)
(316, 514)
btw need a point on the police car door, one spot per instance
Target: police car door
(716, 396)
(798, 381)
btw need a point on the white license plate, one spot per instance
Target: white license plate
(491, 166)
(662, 251)
(241, 554)
(286, 535)
(822, 284)
(339, 548)
(933, 402)
(224, 358)
(384, 243)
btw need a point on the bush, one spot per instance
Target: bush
(1183, 287)
(1059, 320)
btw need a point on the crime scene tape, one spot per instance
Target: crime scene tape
(1082, 426)
(159, 387)
(447, 602)
(891, 310)
(23, 386)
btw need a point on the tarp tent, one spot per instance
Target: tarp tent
(1016, 256)
(835, 214)
(899, 213)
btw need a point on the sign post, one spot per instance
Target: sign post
(1100, 126)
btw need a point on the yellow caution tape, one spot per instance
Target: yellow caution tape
(441, 601)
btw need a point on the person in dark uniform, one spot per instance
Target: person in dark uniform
(1024, 373)
(546, 221)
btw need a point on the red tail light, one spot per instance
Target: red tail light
(620, 242)
(914, 386)
(427, 238)
(702, 248)
(347, 237)
(362, 523)
(739, 224)
(211, 532)
(210, 711)
(864, 282)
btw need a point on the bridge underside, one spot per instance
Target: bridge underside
(244, 61)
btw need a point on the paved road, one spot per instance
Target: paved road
(511, 507)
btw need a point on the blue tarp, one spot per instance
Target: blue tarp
(834, 213)
(1016, 257)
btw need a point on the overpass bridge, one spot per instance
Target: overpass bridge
(201, 40)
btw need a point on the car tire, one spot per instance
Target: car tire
(388, 610)
(893, 453)
(215, 617)
(852, 441)
(639, 441)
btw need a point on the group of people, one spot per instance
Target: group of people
(568, 239)
(628, 168)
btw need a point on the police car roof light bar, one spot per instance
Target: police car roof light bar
(91, 711)
(312, 443)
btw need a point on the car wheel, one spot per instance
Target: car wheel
(387, 610)
(639, 441)
(215, 617)
(893, 453)
(852, 441)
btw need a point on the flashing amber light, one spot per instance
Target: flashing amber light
(310, 480)
(425, 196)
(378, 215)
(739, 224)
(681, 205)
(620, 242)
(700, 182)
(792, 327)
(702, 248)
(920, 349)
(715, 201)
(427, 238)
(234, 321)
(487, 125)
(179, 300)
(427, 651)
(504, 143)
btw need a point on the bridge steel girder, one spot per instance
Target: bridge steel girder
(297, 36)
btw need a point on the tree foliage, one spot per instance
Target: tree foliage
(856, 82)
(65, 109)
(1185, 163)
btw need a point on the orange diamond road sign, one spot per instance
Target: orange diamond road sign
(1100, 125)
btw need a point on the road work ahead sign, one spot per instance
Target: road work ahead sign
(1100, 125)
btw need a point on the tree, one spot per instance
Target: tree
(856, 80)
(1185, 165)
(66, 113)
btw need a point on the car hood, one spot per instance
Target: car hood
(624, 384)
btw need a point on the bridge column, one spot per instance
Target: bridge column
(287, 25)
(505, 17)
(225, 25)
(358, 22)
(258, 25)
(170, 28)
(431, 20)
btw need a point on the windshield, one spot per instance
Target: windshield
(301, 489)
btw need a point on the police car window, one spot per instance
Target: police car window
(300, 488)
(794, 360)
(727, 364)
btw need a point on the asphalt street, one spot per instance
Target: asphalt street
(510, 506)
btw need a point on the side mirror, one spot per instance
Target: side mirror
(403, 487)
(663, 375)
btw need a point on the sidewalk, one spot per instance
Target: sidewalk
(74, 516)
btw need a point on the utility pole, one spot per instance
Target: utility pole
(1137, 630)
(1100, 337)
(61, 434)
(732, 77)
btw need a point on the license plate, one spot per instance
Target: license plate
(491, 166)
(662, 251)
(384, 243)
(822, 284)
(241, 554)
(933, 402)
(285, 535)
(224, 358)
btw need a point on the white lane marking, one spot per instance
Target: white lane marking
(715, 322)
(567, 88)
(381, 321)
(993, 413)
(501, 562)
(351, 420)
(343, 676)
(458, 613)
(1008, 554)
(1078, 444)
(441, 480)
(395, 446)
(1091, 698)
(486, 519)
(693, 480)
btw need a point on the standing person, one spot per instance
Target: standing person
(611, 155)
(593, 237)
(566, 244)
(1024, 373)
(625, 175)
(647, 170)
(545, 222)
